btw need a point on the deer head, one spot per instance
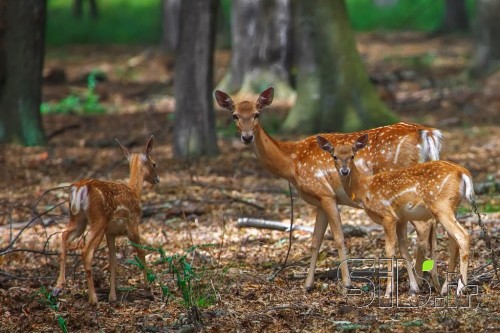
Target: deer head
(245, 114)
(343, 155)
(143, 161)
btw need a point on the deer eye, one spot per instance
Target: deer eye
(235, 117)
(335, 158)
(352, 157)
(154, 164)
(256, 116)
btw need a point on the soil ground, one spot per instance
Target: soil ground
(198, 203)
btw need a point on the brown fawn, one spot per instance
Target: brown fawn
(417, 193)
(110, 209)
(308, 168)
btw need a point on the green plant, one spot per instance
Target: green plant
(46, 298)
(87, 103)
(189, 280)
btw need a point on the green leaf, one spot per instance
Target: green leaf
(417, 322)
(427, 265)
(62, 324)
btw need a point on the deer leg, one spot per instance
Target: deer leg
(426, 248)
(453, 250)
(433, 244)
(402, 235)
(110, 240)
(88, 254)
(462, 238)
(390, 249)
(134, 236)
(332, 213)
(75, 229)
(317, 239)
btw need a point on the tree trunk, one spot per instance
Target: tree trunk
(22, 25)
(486, 35)
(455, 16)
(333, 89)
(260, 31)
(170, 22)
(194, 130)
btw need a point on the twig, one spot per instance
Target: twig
(284, 265)
(243, 201)
(62, 130)
(486, 237)
(37, 216)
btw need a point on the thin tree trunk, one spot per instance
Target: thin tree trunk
(486, 57)
(455, 16)
(22, 30)
(194, 130)
(333, 89)
(170, 22)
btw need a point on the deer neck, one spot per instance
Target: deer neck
(272, 154)
(136, 175)
(356, 185)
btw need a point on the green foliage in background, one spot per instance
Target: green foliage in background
(139, 21)
(120, 22)
(424, 15)
(86, 103)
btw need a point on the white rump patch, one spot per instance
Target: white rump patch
(78, 198)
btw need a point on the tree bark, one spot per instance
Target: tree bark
(170, 23)
(194, 130)
(260, 34)
(486, 58)
(333, 89)
(455, 16)
(22, 30)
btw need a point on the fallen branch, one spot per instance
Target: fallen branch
(248, 222)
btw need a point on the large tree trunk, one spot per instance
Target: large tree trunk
(194, 130)
(333, 89)
(260, 31)
(486, 35)
(22, 28)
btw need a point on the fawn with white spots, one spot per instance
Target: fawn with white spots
(110, 209)
(417, 193)
(308, 168)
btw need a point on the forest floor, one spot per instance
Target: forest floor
(192, 213)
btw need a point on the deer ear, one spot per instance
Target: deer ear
(265, 98)
(124, 150)
(224, 100)
(149, 145)
(324, 144)
(360, 143)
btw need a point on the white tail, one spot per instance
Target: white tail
(417, 193)
(110, 209)
(309, 169)
(468, 187)
(431, 144)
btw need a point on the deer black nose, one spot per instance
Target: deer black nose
(344, 171)
(247, 139)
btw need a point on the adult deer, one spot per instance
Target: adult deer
(308, 168)
(417, 193)
(110, 209)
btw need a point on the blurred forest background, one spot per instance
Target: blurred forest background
(74, 74)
